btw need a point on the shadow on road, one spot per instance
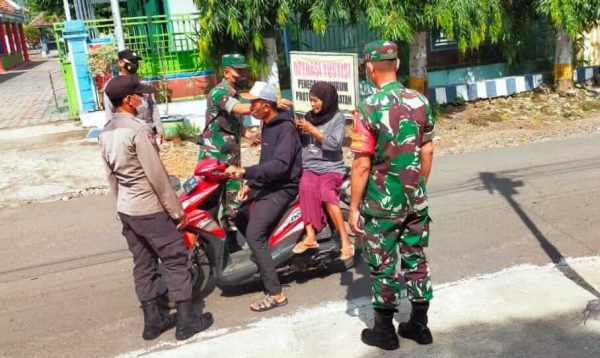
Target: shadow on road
(358, 283)
(255, 284)
(560, 336)
(508, 189)
(19, 70)
(8, 76)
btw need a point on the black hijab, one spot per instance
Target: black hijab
(328, 95)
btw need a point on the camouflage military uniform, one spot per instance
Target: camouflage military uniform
(391, 125)
(222, 134)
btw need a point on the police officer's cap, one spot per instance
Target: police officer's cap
(130, 56)
(123, 86)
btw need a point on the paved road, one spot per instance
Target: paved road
(65, 274)
(27, 95)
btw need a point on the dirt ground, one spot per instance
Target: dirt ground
(528, 117)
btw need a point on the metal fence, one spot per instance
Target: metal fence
(337, 38)
(168, 44)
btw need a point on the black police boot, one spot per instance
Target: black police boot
(156, 319)
(416, 327)
(231, 240)
(383, 334)
(188, 323)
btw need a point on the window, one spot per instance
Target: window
(439, 42)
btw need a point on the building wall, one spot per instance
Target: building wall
(143, 8)
(180, 7)
(590, 54)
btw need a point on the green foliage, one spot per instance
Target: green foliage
(396, 19)
(529, 27)
(469, 22)
(458, 101)
(437, 110)
(228, 26)
(522, 30)
(102, 60)
(574, 16)
(104, 11)
(190, 132)
(55, 7)
(33, 35)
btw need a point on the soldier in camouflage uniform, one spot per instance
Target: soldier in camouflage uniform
(392, 142)
(222, 133)
(223, 130)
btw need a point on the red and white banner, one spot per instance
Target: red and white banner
(339, 69)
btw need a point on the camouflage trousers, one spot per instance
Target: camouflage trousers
(228, 198)
(386, 241)
(230, 204)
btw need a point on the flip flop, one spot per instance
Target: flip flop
(349, 256)
(301, 247)
(268, 303)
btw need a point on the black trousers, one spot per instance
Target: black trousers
(256, 219)
(151, 237)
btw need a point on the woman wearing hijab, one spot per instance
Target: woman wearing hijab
(323, 130)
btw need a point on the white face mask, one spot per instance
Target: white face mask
(143, 110)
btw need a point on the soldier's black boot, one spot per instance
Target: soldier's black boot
(383, 334)
(188, 322)
(156, 319)
(416, 327)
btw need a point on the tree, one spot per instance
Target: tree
(49, 6)
(468, 22)
(570, 18)
(250, 27)
(33, 35)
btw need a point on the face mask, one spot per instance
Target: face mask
(143, 110)
(241, 82)
(132, 68)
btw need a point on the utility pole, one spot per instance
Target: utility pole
(67, 10)
(116, 13)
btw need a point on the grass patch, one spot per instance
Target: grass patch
(189, 132)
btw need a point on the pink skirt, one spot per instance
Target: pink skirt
(315, 191)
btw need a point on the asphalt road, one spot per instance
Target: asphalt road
(65, 272)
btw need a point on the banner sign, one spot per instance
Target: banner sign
(339, 69)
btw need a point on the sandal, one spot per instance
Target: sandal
(268, 303)
(345, 257)
(302, 247)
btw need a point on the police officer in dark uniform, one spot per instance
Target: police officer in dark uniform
(149, 210)
(129, 63)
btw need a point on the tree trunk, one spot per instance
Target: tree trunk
(563, 61)
(272, 76)
(417, 52)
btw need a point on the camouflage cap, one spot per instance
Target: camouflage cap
(380, 51)
(234, 60)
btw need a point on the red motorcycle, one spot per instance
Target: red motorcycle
(205, 237)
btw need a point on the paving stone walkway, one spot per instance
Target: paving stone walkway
(26, 95)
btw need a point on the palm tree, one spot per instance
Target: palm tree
(570, 18)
